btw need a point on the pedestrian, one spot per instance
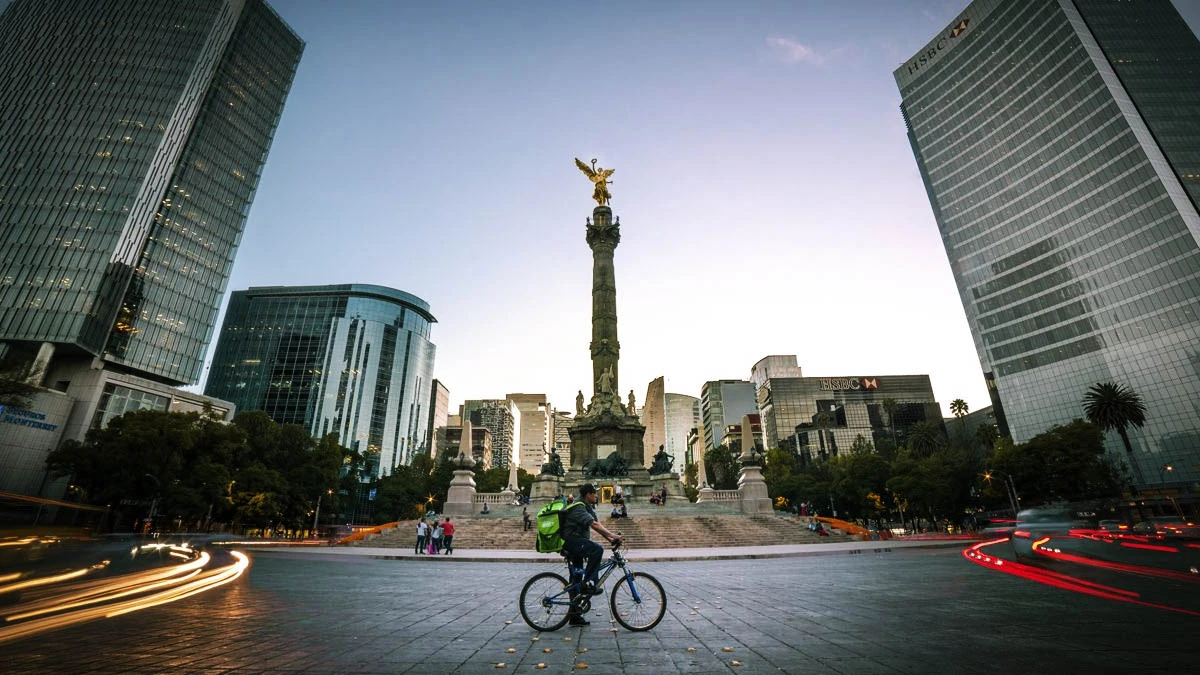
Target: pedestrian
(525, 518)
(422, 533)
(448, 536)
(429, 548)
(438, 531)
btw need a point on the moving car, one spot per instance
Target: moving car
(1167, 526)
(1036, 527)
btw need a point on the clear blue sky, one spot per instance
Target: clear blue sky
(769, 200)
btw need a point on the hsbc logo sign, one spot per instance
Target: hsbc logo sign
(849, 383)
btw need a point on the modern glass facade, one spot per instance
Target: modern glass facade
(722, 403)
(351, 359)
(132, 137)
(1059, 143)
(854, 406)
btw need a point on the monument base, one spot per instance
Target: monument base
(460, 498)
(754, 491)
(545, 488)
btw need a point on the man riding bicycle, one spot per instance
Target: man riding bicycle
(575, 526)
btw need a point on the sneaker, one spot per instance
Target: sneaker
(592, 589)
(579, 621)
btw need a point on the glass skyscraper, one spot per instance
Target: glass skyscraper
(352, 359)
(1059, 143)
(132, 136)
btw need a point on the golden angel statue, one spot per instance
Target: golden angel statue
(599, 176)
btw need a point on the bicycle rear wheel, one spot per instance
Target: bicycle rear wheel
(638, 601)
(544, 602)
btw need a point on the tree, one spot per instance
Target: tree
(1112, 406)
(722, 468)
(691, 478)
(959, 408)
(926, 438)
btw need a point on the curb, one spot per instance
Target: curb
(652, 555)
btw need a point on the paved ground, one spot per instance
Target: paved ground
(916, 610)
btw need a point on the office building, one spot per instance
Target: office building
(653, 417)
(533, 427)
(722, 403)
(499, 416)
(852, 406)
(439, 412)
(563, 421)
(351, 359)
(133, 134)
(1059, 144)
(682, 415)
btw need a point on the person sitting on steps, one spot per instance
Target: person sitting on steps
(576, 527)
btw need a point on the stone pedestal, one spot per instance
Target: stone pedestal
(754, 490)
(606, 428)
(671, 480)
(705, 494)
(546, 488)
(460, 498)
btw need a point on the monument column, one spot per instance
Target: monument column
(603, 235)
(606, 440)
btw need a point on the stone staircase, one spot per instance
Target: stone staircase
(652, 530)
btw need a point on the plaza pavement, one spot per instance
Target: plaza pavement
(861, 607)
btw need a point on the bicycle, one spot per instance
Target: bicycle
(637, 600)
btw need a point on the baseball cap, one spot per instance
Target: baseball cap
(587, 489)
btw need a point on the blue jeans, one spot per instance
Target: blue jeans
(579, 549)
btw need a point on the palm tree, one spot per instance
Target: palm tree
(1113, 406)
(925, 438)
(959, 408)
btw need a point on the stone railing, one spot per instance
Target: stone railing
(720, 496)
(493, 498)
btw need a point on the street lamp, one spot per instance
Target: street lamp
(1009, 487)
(317, 512)
(1165, 467)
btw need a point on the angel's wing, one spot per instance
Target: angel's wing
(585, 168)
(605, 173)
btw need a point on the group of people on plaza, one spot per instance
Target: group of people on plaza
(659, 496)
(435, 539)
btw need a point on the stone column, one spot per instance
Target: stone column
(603, 235)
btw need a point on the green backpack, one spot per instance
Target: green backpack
(549, 540)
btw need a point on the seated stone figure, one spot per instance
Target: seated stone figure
(554, 467)
(662, 462)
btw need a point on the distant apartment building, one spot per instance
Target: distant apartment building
(350, 359)
(722, 403)
(563, 421)
(501, 417)
(535, 430)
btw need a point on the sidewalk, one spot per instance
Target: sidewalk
(638, 555)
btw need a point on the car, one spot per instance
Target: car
(1113, 526)
(1035, 525)
(1162, 527)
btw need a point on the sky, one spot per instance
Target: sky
(768, 196)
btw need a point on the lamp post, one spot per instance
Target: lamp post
(1165, 467)
(1009, 487)
(317, 511)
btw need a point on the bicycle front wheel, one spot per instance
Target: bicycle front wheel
(638, 601)
(544, 602)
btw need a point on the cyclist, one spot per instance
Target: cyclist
(576, 526)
